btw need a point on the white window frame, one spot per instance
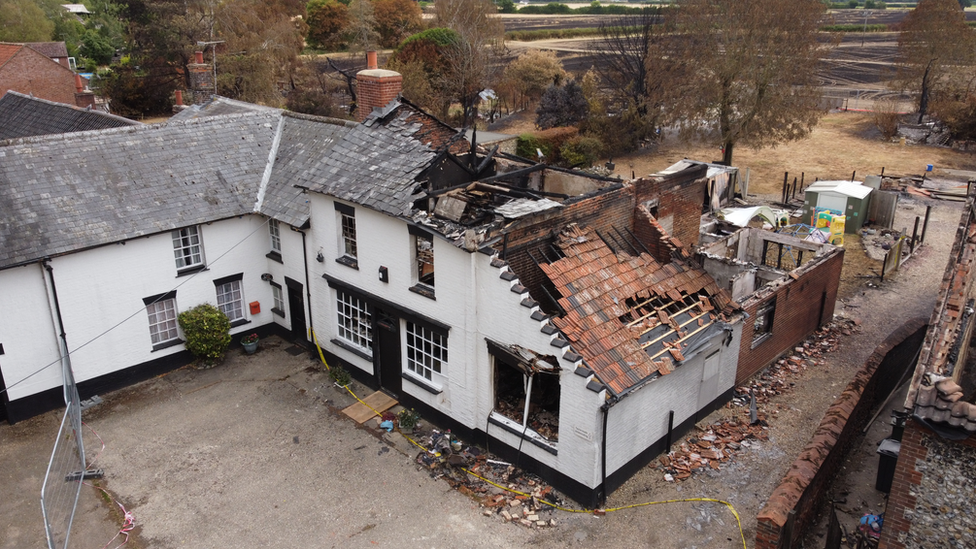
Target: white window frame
(234, 306)
(279, 299)
(163, 327)
(347, 235)
(354, 322)
(274, 231)
(188, 248)
(426, 351)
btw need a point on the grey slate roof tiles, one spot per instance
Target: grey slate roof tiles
(25, 116)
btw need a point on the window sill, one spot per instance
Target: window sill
(239, 322)
(348, 261)
(423, 290)
(358, 351)
(278, 312)
(190, 270)
(274, 256)
(167, 344)
(526, 434)
(422, 383)
(761, 339)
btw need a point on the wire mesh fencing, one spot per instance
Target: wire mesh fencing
(66, 468)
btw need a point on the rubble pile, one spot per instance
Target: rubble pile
(718, 443)
(447, 458)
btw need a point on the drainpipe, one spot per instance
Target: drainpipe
(70, 390)
(308, 289)
(605, 408)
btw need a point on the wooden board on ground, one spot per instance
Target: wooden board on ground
(379, 401)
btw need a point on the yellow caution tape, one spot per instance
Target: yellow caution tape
(735, 514)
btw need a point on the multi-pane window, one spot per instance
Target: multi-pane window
(230, 299)
(279, 301)
(355, 322)
(348, 235)
(187, 248)
(274, 231)
(426, 350)
(162, 320)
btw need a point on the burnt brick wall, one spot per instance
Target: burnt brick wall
(659, 244)
(797, 314)
(805, 485)
(680, 196)
(30, 72)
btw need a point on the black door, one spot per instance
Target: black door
(296, 309)
(386, 350)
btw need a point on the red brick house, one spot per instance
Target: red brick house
(28, 71)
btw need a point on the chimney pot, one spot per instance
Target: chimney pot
(79, 87)
(199, 56)
(371, 61)
(179, 97)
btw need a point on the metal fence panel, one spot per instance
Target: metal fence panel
(66, 469)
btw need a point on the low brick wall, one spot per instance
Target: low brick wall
(806, 483)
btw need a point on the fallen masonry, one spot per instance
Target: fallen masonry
(716, 444)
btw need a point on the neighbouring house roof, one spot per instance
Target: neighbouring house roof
(852, 189)
(76, 8)
(25, 116)
(8, 51)
(219, 106)
(50, 49)
(630, 317)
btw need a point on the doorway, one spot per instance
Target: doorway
(296, 309)
(386, 351)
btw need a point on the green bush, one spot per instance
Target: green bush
(207, 332)
(581, 152)
(340, 376)
(528, 146)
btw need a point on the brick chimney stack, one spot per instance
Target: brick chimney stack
(201, 79)
(375, 87)
(84, 97)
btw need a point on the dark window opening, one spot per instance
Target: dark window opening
(511, 387)
(762, 327)
(424, 254)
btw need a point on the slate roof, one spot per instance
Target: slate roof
(219, 106)
(375, 166)
(630, 317)
(24, 116)
(70, 192)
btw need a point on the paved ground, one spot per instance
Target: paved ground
(254, 453)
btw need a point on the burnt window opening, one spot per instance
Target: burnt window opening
(762, 327)
(424, 257)
(528, 400)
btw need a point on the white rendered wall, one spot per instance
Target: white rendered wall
(27, 332)
(101, 295)
(292, 266)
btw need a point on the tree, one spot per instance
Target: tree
(422, 60)
(396, 20)
(531, 74)
(742, 71)
(562, 106)
(23, 21)
(935, 50)
(471, 60)
(327, 21)
(361, 31)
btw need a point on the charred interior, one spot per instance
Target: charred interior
(527, 389)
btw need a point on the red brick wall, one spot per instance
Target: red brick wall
(30, 72)
(796, 315)
(900, 499)
(805, 485)
(679, 195)
(375, 91)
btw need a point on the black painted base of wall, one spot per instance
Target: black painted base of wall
(53, 399)
(586, 496)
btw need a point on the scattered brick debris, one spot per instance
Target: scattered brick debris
(716, 444)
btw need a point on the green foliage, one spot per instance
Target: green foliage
(23, 21)
(965, 3)
(207, 332)
(581, 152)
(339, 375)
(96, 47)
(506, 6)
(550, 142)
(407, 419)
(852, 4)
(529, 145)
(439, 37)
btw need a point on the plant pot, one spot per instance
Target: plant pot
(250, 348)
